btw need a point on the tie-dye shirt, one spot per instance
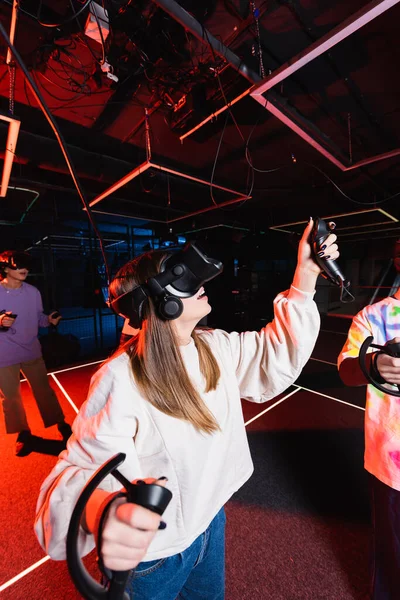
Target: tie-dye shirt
(382, 412)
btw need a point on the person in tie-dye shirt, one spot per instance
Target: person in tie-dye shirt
(382, 434)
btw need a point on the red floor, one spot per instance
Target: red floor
(276, 549)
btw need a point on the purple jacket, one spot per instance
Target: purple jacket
(20, 343)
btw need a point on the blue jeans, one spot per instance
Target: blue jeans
(197, 573)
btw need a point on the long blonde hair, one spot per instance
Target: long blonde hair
(155, 359)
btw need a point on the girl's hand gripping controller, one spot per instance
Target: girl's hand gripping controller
(152, 496)
(392, 349)
(330, 268)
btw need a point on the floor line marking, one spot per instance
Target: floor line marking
(327, 362)
(46, 558)
(271, 407)
(72, 403)
(23, 573)
(96, 362)
(298, 388)
(330, 397)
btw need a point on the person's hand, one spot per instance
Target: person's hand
(127, 533)
(54, 320)
(388, 366)
(329, 250)
(307, 270)
(6, 320)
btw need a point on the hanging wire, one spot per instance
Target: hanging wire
(147, 134)
(11, 97)
(62, 23)
(350, 140)
(256, 14)
(60, 138)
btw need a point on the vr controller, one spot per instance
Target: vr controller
(11, 315)
(392, 349)
(152, 496)
(330, 268)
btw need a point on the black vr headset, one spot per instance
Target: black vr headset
(15, 260)
(182, 275)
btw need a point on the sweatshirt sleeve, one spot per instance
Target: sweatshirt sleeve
(269, 361)
(100, 430)
(359, 330)
(43, 320)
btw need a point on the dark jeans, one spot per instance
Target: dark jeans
(10, 394)
(385, 572)
(197, 573)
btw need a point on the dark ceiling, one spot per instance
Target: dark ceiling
(347, 99)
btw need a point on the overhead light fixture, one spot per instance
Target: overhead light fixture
(294, 226)
(12, 137)
(240, 197)
(13, 124)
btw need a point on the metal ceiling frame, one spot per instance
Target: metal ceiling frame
(362, 17)
(143, 167)
(391, 219)
(339, 33)
(365, 15)
(13, 124)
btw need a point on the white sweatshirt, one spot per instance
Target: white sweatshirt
(203, 470)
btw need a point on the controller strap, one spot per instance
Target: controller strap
(345, 295)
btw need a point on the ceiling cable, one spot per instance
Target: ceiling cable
(350, 140)
(147, 134)
(256, 14)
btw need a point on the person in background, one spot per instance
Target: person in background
(382, 434)
(21, 316)
(171, 401)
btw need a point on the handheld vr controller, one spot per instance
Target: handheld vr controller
(11, 315)
(392, 349)
(152, 496)
(330, 268)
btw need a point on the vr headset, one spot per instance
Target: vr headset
(181, 276)
(16, 260)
